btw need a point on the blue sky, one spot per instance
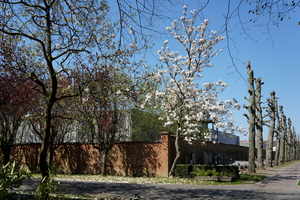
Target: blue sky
(276, 61)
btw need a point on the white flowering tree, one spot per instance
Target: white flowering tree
(184, 102)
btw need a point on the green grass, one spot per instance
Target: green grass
(252, 177)
(287, 164)
(244, 179)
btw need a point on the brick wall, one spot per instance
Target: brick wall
(210, 148)
(126, 158)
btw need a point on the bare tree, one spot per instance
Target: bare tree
(289, 142)
(272, 115)
(294, 144)
(278, 135)
(282, 150)
(259, 124)
(251, 119)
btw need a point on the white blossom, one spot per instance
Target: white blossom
(184, 103)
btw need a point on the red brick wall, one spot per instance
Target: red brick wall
(125, 158)
(231, 151)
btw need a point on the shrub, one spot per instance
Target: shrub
(183, 170)
(11, 176)
(212, 170)
(49, 186)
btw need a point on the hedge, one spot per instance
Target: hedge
(183, 170)
(230, 170)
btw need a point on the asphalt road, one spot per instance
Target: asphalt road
(281, 185)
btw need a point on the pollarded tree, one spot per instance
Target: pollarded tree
(271, 112)
(251, 119)
(278, 135)
(283, 129)
(184, 103)
(259, 124)
(295, 145)
(256, 117)
(289, 141)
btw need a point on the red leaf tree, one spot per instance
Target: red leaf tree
(15, 91)
(100, 107)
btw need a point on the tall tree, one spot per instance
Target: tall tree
(259, 123)
(102, 105)
(251, 119)
(61, 123)
(278, 135)
(186, 104)
(289, 141)
(15, 94)
(294, 144)
(272, 115)
(60, 30)
(282, 150)
(276, 10)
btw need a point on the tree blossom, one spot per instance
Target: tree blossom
(184, 103)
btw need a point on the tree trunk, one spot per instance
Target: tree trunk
(50, 98)
(6, 153)
(251, 120)
(276, 161)
(289, 142)
(172, 171)
(294, 144)
(278, 134)
(259, 125)
(297, 149)
(51, 153)
(44, 165)
(269, 149)
(283, 137)
(103, 161)
(281, 151)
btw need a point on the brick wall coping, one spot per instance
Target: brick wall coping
(80, 143)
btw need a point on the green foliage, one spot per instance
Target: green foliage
(212, 170)
(49, 186)
(252, 177)
(146, 125)
(183, 170)
(11, 176)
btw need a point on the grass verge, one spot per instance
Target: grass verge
(244, 179)
(287, 164)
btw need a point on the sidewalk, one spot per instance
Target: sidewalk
(283, 178)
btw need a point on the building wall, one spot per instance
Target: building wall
(223, 137)
(128, 158)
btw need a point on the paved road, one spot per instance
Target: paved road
(281, 185)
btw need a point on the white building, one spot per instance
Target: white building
(220, 136)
